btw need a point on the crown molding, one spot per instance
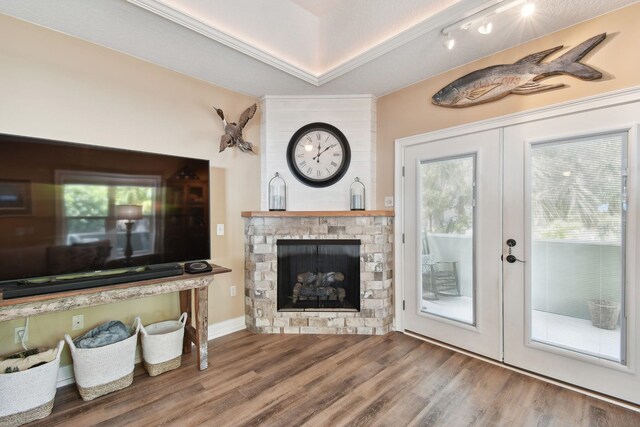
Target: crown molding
(459, 10)
(191, 23)
(302, 97)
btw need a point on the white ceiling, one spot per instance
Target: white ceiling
(301, 47)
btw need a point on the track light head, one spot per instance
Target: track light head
(449, 43)
(527, 9)
(485, 28)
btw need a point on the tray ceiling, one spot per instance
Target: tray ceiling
(301, 47)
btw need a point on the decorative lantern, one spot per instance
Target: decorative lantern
(277, 193)
(356, 195)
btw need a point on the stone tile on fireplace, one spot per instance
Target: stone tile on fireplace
(375, 232)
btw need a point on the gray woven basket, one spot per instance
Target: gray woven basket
(604, 313)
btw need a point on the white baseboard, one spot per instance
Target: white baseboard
(65, 376)
(226, 327)
(216, 330)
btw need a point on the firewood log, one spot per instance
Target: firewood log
(307, 278)
(332, 278)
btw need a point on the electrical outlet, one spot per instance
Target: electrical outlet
(232, 291)
(18, 333)
(388, 201)
(220, 229)
(77, 322)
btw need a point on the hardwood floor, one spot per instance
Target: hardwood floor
(336, 380)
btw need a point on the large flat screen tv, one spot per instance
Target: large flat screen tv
(75, 216)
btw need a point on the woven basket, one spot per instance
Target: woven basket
(28, 395)
(604, 313)
(103, 370)
(162, 345)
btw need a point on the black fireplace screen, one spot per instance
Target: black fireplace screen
(318, 274)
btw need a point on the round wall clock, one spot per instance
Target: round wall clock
(318, 154)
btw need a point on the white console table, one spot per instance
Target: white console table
(192, 287)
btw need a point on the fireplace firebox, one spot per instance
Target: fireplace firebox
(318, 275)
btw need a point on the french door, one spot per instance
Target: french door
(520, 245)
(570, 204)
(455, 238)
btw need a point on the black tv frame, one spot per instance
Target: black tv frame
(55, 283)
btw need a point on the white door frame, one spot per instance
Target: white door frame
(630, 95)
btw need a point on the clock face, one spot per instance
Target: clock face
(318, 154)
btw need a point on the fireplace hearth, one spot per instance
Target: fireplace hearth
(318, 274)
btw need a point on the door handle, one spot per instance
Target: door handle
(510, 257)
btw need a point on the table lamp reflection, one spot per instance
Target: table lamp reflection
(128, 213)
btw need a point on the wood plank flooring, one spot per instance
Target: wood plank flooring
(336, 380)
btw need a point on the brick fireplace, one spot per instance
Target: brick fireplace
(372, 312)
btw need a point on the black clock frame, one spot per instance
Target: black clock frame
(341, 139)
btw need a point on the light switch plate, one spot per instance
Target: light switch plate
(220, 229)
(388, 201)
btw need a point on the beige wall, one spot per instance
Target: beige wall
(410, 112)
(58, 87)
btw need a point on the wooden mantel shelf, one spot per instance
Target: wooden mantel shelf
(297, 214)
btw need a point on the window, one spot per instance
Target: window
(87, 207)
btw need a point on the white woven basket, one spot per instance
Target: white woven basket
(28, 395)
(162, 345)
(102, 370)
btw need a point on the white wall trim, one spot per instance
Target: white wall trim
(299, 97)
(398, 234)
(454, 13)
(216, 330)
(226, 327)
(208, 31)
(65, 376)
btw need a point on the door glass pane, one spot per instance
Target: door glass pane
(577, 244)
(447, 215)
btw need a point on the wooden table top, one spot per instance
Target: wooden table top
(39, 304)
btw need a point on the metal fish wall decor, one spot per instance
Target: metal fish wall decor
(521, 78)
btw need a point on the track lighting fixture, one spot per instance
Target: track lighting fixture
(527, 9)
(485, 28)
(485, 17)
(449, 43)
